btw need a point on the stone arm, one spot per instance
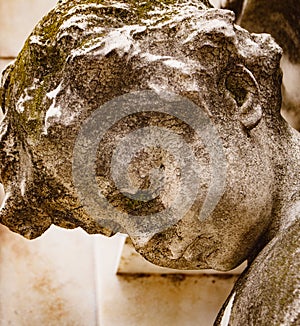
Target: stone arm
(254, 299)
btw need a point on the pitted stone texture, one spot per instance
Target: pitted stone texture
(269, 291)
(87, 55)
(83, 55)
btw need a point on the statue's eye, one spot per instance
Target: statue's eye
(207, 54)
(236, 88)
(207, 49)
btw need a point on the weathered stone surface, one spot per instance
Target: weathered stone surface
(159, 119)
(84, 55)
(281, 20)
(269, 291)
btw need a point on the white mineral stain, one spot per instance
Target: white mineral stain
(54, 110)
(52, 95)
(34, 39)
(23, 187)
(119, 39)
(20, 104)
(25, 97)
(153, 57)
(86, 23)
(173, 63)
(79, 21)
(168, 61)
(157, 11)
(7, 195)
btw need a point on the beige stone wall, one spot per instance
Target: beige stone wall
(67, 277)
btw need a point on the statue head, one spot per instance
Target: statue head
(157, 120)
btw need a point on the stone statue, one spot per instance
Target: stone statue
(281, 20)
(161, 120)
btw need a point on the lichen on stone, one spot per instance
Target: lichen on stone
(159, 119)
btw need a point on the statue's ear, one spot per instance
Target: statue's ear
(244, 89)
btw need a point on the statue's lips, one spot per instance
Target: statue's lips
(200, 249)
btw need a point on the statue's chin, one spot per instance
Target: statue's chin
(202, 253)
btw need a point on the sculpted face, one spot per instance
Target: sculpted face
(152, 128)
